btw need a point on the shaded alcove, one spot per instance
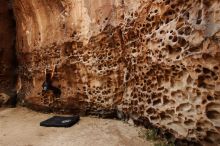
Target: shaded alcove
(8, 61)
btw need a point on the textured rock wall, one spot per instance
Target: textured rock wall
(155, 60)
(7, 53)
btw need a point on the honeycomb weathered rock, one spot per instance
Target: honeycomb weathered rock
(153, 59)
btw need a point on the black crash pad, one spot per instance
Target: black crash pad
(58, 121)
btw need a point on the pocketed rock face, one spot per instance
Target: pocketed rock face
(154, 60)
(7, 53)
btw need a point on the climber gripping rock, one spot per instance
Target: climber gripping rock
(47, 85)
(48, 82)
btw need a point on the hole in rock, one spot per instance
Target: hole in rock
(210, 98)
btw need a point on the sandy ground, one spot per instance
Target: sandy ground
(20, 127)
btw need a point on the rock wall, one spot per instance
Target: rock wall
(155, 60)
(7, 54)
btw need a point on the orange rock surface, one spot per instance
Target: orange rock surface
(157, 60)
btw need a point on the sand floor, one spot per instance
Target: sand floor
(20, 127)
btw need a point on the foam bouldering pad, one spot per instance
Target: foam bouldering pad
(59, 121)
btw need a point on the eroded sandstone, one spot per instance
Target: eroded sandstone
(153, 60)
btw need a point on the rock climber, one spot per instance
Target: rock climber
(47, 85)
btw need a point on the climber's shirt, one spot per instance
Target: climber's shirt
(45, 86)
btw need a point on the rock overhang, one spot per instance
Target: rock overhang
(153, 59)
